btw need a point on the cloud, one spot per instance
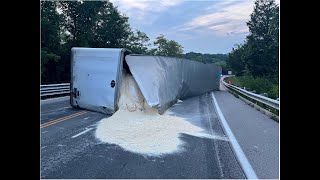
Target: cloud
(222, 4)
(145, 11)
(226, 18)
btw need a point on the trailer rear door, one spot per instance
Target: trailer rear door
(94, 76)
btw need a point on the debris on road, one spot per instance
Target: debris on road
(138, 128)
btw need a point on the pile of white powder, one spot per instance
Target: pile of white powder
(138, 128)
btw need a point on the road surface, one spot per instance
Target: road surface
(69, 148)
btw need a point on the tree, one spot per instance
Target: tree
(138, 42)
(274, 47)
(166, 47)
(258, 56)
(51, 23)
(236, 60)
(96, 24)
(113, 29)
(80, 19)
(263, 39)
(205, 58)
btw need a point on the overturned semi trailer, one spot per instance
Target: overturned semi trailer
(96, 75)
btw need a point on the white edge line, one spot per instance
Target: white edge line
(81, 133)
(246, 166)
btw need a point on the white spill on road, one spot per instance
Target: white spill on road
(138, 128)
(81, 133)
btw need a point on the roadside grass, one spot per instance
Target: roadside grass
(258, 85)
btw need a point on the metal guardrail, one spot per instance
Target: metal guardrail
(264, 100)
(54, 89)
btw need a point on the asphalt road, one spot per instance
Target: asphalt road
(70, 150)
(257, 134)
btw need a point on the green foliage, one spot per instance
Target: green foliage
(138, 42)
(205, 58)
(166, 47)
(46, 57)
(81, 24)
(256, 61)
(223, 64)
(217, 59)
(259, 56)
(236, 60)
(96, 24)
(113, 29)
(259, 85)
(274, 92)
(51, 23)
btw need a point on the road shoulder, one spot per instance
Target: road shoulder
(256, 133)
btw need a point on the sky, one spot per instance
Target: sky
(204, 26)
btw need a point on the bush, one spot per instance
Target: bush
(274, 94)
(259, 84)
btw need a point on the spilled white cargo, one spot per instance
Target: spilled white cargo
(137, 90)
(138, 128)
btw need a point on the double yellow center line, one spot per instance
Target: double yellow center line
(62, 119)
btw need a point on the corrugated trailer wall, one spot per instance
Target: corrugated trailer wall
(164, 80)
